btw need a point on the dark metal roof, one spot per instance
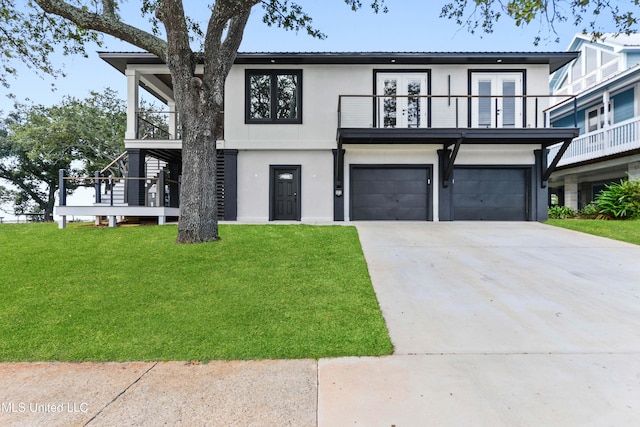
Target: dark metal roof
(555, 60)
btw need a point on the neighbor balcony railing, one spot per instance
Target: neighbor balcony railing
(444, 111)
(618, 138)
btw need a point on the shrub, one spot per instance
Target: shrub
(619, 200)
(590, 211)
(561, 212)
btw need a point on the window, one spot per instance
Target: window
(591, 59)
(595, 118)
(273, 96)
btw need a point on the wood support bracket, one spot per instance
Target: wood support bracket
(549, 170)
(449, 162)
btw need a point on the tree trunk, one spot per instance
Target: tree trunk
(51, 201)
(198, 197)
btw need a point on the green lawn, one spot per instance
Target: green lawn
(626, 231)
(131, 293)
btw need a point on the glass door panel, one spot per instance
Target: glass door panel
(496, 100)
(402, 104)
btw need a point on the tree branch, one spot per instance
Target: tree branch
(107, 23)
(231, 16)
(179, 53)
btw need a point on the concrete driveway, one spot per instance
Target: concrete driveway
(494, 324)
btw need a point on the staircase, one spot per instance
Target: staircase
(153, 168)
(118, 191)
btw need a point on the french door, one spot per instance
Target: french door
(400, 103)
(496, 100)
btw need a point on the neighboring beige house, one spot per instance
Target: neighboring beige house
(319, 137)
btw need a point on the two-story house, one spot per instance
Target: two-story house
(605, 78)
(322, 137)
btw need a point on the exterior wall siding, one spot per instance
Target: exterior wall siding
(624, 105)
(322, 85)
(316, 181)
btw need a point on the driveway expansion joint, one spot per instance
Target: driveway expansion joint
(112, 401)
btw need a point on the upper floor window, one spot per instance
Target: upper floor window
(273, 96)
(593, 65)
(596, 118)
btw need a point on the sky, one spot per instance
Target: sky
(409, 26)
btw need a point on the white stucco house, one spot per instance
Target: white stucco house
(357, 136)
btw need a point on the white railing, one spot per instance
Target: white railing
(611, 140)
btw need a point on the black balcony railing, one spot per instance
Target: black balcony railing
(442, 111)
(166, 125)
(157, 125)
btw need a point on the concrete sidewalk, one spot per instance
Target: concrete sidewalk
(494, 324)
(260, 393)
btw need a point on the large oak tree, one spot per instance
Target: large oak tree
(199, 99)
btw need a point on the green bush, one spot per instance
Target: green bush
(619, 200)
(561, 212)
(590, 211)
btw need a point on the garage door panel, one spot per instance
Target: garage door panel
(490, 194)
(389, 193)
(388, 187)
(373, 200)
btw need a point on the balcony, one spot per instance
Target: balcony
(612, 140)
(415, 119)
(165, 125)
(158, 125)
(442, 111)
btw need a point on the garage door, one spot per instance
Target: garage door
(389, 193)
(498, 194)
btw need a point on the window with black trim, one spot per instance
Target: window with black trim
(273, 96)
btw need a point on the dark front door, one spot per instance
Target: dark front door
(285, 193)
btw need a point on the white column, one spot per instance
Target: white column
(605, 126)
(571, 191)
(634, 171)
(133, 84)
(173, 120)
(605, 102)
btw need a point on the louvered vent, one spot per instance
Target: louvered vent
(220, 183)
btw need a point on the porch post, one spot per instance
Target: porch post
(175, 169)
(97, 187)
(62, 196)
(605, 126)
(571, 191)
(634, 171)
(133, 84)
(173, 121)
(136, 188)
